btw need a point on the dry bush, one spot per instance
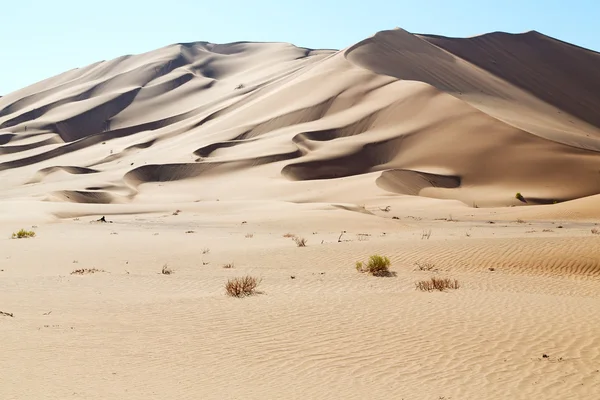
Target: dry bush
(434, 283)
(241, 287)
(595, 231)
(376, 266)
(205, 250)
(84, 271)
(300, 241)
(520, 221)
(23, 234)
(425, 266)
(289, 235)
(228, 265)
(6, 314)
(249, 235)
(166, 270)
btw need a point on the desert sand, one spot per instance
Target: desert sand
(404, 145)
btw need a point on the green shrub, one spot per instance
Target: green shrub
(23, 234)
(376, 266)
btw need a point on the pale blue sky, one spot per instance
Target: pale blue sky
(42, 38)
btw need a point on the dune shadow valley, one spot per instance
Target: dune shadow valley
(412, 217)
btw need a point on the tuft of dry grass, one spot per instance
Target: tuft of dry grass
(300, 241)
(6, 314)
(595, 231)
(85, 271)
(376, 266)
(520, 221)
(205, 250)
(242, 287)
(249, 235)
(177, 212)
(425, 266)
(228, 265)
(434, 283)
(362, 237)
(23, 234)
(166, 270)
(289, 235)
(426, 234)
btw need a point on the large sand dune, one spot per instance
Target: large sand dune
(199, 154)
(499, 113)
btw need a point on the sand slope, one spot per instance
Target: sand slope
(510, 121)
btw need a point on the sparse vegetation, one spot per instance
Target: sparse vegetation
(23, 234)
(177, 212)
(249, 235)
(440, 284)
(595, 231)
(228, 265)
(205, 250)
(376, 266)
(6, 314)
(289, 235)
(300, 241)
(386, 209)
(520, 221)
(426, 234)
(166, 270)
(520, 197)
(425, 266)
(242, 287)
(85, 271)
(362, 237)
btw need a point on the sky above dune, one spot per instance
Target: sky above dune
(41, 38)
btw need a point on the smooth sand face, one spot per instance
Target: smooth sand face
(252, 141)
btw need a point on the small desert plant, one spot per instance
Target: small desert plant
(166, 270)
(23, 234)
(177, 212)
(520, 197)
(426, 234)
(249, 235)
(83, 271)
(376, 266)
(241, 287)
(425, 266)
(228, 265)
(205, 250)
(520, 221)
(595, 231)
(300, 241)
(434, 283)
(289, 235)
(363, 237)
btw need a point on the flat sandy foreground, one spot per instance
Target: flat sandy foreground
(525, 323)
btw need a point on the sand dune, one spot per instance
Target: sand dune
(394, 101)
(406, 145)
